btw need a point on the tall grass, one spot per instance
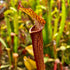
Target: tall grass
(8, 26)
(62, 23)
(15, 22)
(47, 31)
(50, 3)
(56, 21)
(12, 14)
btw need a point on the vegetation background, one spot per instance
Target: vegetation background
(16, 51)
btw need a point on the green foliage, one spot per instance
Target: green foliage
(2, 41)
(57, 28)
(49, 19)
(62, 24)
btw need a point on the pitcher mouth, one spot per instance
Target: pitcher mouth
(34, 29)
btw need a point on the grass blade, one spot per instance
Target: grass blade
(62, 24)
(2, 41)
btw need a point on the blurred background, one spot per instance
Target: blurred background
(16, 51)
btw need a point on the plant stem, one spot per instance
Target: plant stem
(61, 67)
(59, 4)
(15, 56)
(8, 51)
(62, 57)
(55, 65)
(37, 42)
(15, 21)
(62, 24)
(54, 48)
